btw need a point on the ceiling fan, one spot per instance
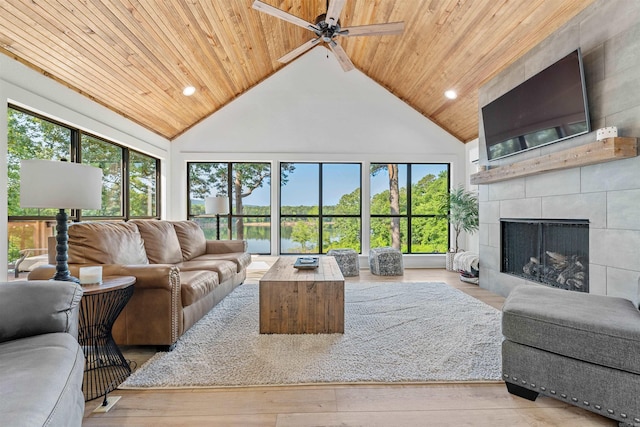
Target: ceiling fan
(327, 29)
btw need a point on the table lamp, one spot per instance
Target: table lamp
(62, 185)
(217, 206)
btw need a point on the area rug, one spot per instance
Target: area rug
(394, 333)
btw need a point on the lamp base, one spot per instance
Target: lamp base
(62, 239)
(67, 278)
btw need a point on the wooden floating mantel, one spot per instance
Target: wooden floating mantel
(597, 152)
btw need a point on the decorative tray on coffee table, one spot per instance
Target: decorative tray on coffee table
(307, 262)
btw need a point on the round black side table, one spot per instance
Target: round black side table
(105, 366)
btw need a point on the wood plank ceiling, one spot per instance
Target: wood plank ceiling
(136, 56)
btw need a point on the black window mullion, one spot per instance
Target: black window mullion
(320, 204)
(409, 210)
(125, 203)
(76, 214)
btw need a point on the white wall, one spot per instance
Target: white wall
(20, 85)
(313, 111)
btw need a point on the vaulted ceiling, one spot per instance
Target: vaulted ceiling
(136, 56)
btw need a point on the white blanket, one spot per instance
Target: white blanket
(465, 261)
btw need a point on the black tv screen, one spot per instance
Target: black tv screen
(546, 108)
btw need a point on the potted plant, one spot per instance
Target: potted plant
(462, 211)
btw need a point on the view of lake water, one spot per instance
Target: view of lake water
(257, 236)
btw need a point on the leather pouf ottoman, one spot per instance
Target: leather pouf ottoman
(386, 261)
(347, 260)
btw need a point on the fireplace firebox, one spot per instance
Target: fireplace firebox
(549, 251)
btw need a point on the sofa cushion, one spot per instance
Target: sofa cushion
(191, 237)
(195, 285)
(593, 328)
(160, 241)
(241, 259)
(42, 381)
(226, 269)
(106, 243)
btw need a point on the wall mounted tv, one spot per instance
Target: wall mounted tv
(546, 108)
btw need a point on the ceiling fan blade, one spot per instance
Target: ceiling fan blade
(333, 12)
(299, 50)
(270, 10)
(373, 29)
(341, 55)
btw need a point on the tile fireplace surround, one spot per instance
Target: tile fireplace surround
(605, 194)
(589, 193)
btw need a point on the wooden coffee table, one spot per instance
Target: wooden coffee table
(296, 301)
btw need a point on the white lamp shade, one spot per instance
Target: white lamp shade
(60, 185)
(216, 205)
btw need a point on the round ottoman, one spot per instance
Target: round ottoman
(386, 261)
(347, 260)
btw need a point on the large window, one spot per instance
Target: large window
(406, 203)
(248, 186)
(129, 188)
(320, 207)
(143, 185)
(108, 157)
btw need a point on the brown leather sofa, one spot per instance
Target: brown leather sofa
(180, 275)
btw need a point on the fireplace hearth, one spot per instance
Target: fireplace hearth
(549, 251)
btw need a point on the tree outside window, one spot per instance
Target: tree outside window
(143, 185)
(108, 157)
(405, 207)
(248, 187)
(31, 136)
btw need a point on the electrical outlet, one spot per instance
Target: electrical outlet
(111, 401)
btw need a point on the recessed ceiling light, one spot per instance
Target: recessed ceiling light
(188, 91)
(451, 94)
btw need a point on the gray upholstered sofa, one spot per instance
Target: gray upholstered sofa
(583, 349)
(41, 362)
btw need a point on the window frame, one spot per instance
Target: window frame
(229, 217)
(320, 215)
(75, 215)
(408, 216)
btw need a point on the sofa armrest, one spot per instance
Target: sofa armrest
(226, 246)
(43, 272)
(147, 275)
(29, 308)
(153, 315)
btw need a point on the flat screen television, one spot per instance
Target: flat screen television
(548, 107)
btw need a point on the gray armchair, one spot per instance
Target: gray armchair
(41, 362)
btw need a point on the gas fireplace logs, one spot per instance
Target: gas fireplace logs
(560, 271)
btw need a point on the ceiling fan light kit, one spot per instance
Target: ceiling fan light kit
(327, 29)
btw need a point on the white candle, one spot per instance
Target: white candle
(90, 275)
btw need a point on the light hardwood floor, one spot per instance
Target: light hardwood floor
(441, 404)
